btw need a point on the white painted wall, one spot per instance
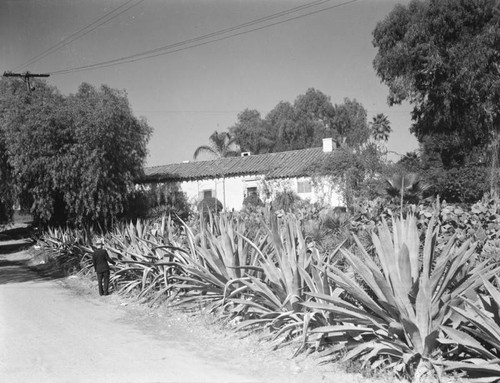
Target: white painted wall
(235, 190)
(231, 190)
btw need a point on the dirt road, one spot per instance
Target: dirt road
(50, 334)
(60, 330)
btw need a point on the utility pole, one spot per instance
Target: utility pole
(26, 76)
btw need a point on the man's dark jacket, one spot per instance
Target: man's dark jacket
(101, 259)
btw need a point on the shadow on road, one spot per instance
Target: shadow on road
(15, 260)
(9, 247)
(17, 233)
(16, 263)
(18, 271)
(17, 238)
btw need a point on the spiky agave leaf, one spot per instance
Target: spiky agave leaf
(65, 246)
(478, 335)
(406, 302)
(147, 258)
(219, 256)
(289, 272)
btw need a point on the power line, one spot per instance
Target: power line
(230, 29)
(78, 34)
(160, 51)
(167, 49)
(213, 34)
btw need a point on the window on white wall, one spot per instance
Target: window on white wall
(304, 186)
(252, 190)
(206, 194)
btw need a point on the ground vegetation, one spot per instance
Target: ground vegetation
(389, 292)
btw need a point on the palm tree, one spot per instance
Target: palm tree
(381, 127)
(220, 145)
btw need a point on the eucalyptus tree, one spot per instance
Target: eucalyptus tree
(350, 123)
(251, 133)
(443, 58)
(313, 117)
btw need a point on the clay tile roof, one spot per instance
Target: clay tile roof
(294, 163)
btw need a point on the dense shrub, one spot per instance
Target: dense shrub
(252, 200)
(156, 201)
(465, 185)
(211, 204)
(285, 200)
(137, 206)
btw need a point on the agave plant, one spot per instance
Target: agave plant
(66, 247)
(477, 340)
(217, 258)
(274, 299)
(147, 257)
(395, 312)
(332, 228)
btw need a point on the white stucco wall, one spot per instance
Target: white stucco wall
(235, 190)
(323, 190)
(231, 190)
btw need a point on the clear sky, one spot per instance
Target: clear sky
(187, 95)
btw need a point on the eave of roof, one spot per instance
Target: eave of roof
(296, 163)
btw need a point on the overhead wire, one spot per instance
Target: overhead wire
(78, 34)
(181, 46)
(161, 51)
(226, 30)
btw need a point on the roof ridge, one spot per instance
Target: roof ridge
(292, 163)
(233, 158)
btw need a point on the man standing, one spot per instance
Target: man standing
(100, 258)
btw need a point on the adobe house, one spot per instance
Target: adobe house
(232, 179)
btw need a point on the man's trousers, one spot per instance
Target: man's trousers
(103, 282)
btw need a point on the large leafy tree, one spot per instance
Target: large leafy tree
(302, 124)
(74, 158)
(349, 123)
(315, 113)
(32, 124)
(110, 144)
(443, 57)
(251, 133)
(281, 121)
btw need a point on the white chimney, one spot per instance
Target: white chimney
(245, 154)
(327, 145)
